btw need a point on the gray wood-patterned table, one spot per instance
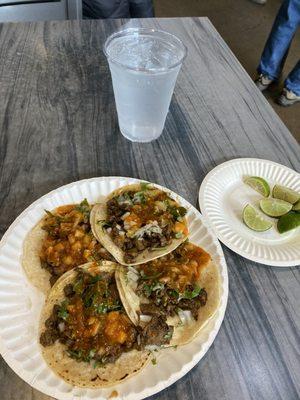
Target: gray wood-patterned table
(58, 124)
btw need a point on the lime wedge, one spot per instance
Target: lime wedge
(259, 184)
(285, 193)
(275, 207)
(288, 222)
(254, 220)
(297, 206)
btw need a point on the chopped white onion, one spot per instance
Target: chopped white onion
(145, 318)
(185, 317)
(61, 326)
(132, 280)
(133, 274)
(148, 229)
(133, 277)
(152, 347)
(124, 216)
(130, 268)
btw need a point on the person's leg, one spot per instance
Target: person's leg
(292, 82)
(291, 92)
(277, 45)
(141, 8)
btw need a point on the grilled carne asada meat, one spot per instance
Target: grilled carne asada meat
(156, 332)
(144, 219)
(167, 285)
(92, 324)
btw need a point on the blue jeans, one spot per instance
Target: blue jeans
(278, 43)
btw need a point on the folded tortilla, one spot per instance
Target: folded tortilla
(38, 276)
(209, 279)
(83, 374)
(98, 217)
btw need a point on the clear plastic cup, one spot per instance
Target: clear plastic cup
(144, 64)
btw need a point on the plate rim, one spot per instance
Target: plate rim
(271, 263)
(147, 391)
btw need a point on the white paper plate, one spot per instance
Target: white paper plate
(20, 305)
(222, 197)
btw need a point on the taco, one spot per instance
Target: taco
(181, 289)
(62, 240)
(138, 223)
(85, 335)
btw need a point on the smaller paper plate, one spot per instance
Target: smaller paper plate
(222, 197)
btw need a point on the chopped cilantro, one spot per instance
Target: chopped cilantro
(76, 354)
(139, 198)
(104, 308)
(78, 286)
(92, 353)
(147, 277)
(89, 297)
(50, 214)
(178, 235)
(62, 312)
(79, 355)
(101, 308)
(84, 208)
(154, 362)
(148, 289)
(95, 279)
(177, 212)
(191, 294)
(157, 286)
(168, 335)
(174, 293)
(58, 218)
(97, 363)
(124, 198)
(104, 224)
(187, 294)
(100, 362)
(144, 185)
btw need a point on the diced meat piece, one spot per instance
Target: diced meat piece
(194, 304)
(68, 290)
(156, 332)
(150, 309)
(53, 279)
(48, 337)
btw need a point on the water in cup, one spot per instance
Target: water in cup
(144, 65)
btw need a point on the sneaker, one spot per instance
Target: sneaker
(287, 98)
(263, 82)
